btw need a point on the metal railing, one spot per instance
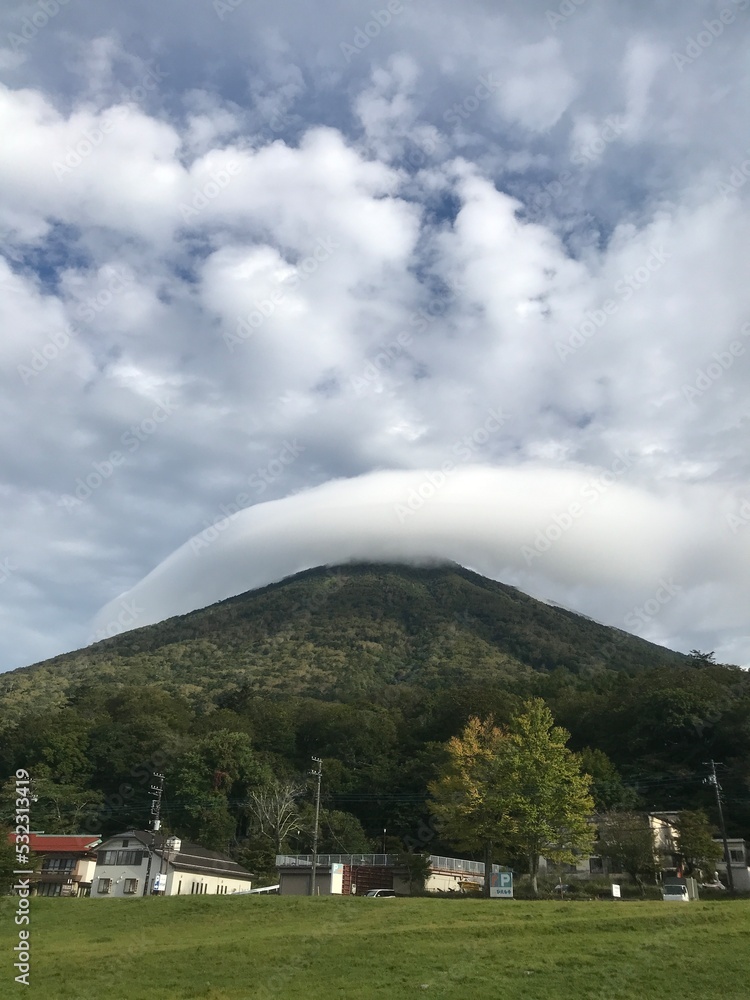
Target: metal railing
(379, 860)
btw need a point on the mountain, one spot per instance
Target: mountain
(345, 633)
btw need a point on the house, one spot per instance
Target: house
(739, 858)
(356, 874)
(139, 862)
(665, 836)
(65, 865)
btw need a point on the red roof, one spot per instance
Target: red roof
(60, 843)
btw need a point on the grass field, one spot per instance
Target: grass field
(286, 948)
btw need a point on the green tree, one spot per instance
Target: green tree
(698, 849)
(467, 799)
(417, 870)
(548, 798)
(627, 841)
(607, 787)
(209, 785)
(519, 788)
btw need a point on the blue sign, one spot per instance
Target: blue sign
(501, 885)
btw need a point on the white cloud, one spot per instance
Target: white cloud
(403, 270)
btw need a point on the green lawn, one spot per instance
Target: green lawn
(285, 948)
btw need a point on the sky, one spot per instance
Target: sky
(283, 286)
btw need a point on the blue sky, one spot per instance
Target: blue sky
(298, 261)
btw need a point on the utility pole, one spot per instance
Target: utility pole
(713, 780)
(156, 790)
(317, 773)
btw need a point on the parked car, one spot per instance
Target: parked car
(381, 893)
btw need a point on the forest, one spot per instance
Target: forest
(373, 669)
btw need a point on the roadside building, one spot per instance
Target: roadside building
(64, 863)
(177, 868)
(356, 874)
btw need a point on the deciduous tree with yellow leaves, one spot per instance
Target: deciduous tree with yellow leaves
(516, 791)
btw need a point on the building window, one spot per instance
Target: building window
(49, 889)
(125, 843)
(120, 857)
(62, 865)
(104, 886)
(131, 886)
(596, 866)
(738, 856)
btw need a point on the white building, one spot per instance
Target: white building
(122, 865)
(739, 858)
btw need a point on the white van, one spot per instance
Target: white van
(676, 893)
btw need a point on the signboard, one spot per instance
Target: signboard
(160, 883)
(616, 892)
(501, 885)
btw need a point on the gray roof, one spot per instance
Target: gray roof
(191, 857)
